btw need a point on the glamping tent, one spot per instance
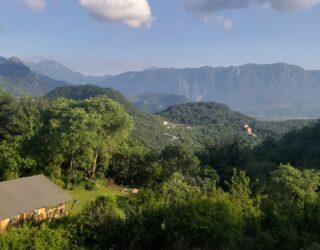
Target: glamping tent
(31, 198)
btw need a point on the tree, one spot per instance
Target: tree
(179, 158)
(80, 136)
(100, 224)
(18, 117)
(293, 206)
(225, 157)
(135, 166)
(12, 163)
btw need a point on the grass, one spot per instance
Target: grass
(84, 196)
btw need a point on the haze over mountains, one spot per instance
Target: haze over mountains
(155, 102)
(60, 72)
(260, 90)
(263, 90)
(18, 79)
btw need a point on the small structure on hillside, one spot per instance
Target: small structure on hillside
(31, 198)
(249, 130)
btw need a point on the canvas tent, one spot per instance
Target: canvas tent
(20, 198)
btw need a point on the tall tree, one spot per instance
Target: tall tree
(79, 136)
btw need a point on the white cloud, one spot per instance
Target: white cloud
(132, 13)
(226, 23)
(292, 5)
(36, 5)
(209, 6)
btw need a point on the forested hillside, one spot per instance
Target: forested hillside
(224, 195)
(218, 118)
(18, 79)
(156, 102)
(82, 92)
(195, 124)
(299, 147)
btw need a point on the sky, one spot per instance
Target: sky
(99, 37)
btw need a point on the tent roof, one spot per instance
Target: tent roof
(28, 194)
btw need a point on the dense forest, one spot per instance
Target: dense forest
(195, 124)
(227, 193)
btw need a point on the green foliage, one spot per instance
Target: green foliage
(179, 158)
(208, 223)
(292, 208)
(82, 92)
(79, 136)
(194, 124)
(226, 195)
(35, 238)
(225, 156)
(177, 216)
(18, 117)
(215, 122)
(100, 224)
(300, 148)
(135, 167)
(12, 163)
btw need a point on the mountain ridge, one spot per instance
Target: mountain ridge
(263, 90)
(181, 123)
(17, 79)
(155, 102)
(254, 89)
(58, 71)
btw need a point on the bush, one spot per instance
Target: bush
(35, 238)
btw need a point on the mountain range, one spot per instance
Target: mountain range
(192, 123)
(260, 90)
(58, 71)
(268, 90)
(17, 79)
(156, 102)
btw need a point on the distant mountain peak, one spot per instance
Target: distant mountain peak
(15, 60)
(17, 78)
(3, 60)
(51, 63)
(60, 72)
(149, 69)
(278, 89)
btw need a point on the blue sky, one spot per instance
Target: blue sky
(112, 36)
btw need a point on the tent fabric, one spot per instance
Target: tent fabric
(27, 194)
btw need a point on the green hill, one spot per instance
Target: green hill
(81, 92)
(300, 148)
(157, 102)
(193, 123)
(148, 129)
(212, 120)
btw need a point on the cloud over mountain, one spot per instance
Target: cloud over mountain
(132, 13)
(208, 6)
